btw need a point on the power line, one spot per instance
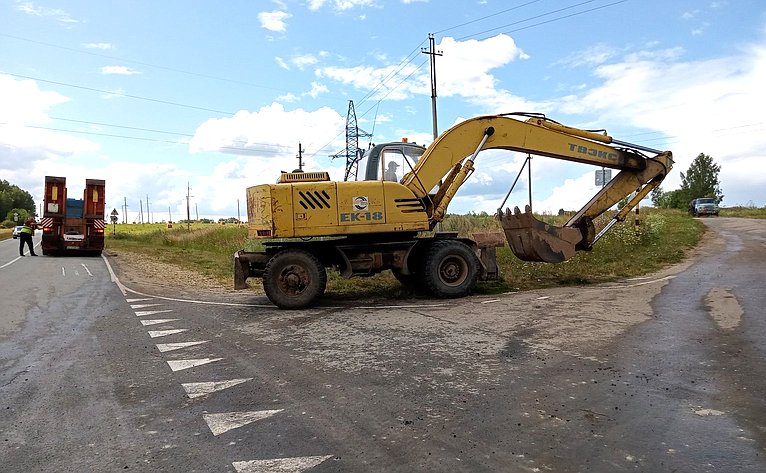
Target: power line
(485, 17)
(279, 148)
(137, 97)
(166, 68)
(543, 15)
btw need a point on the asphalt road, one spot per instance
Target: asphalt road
(657, 374)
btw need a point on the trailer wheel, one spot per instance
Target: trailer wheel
(294, 279)
(450, 269)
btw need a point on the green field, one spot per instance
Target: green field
(663, 238)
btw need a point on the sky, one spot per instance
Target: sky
(203, 99)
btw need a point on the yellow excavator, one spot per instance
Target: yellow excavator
(309, 223)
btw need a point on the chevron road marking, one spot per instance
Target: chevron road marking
(221, 423)
(178, 365)
(194, 390)
(162, 333)
(163, 347)
(279, 465)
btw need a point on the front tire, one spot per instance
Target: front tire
(450, 269)
(294, 279)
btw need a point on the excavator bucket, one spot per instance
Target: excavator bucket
(533, 240)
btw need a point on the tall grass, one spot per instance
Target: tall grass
(663, 238)
(744, 212)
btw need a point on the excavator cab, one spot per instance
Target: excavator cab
(391, 161)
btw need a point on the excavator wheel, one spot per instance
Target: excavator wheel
(294, 279)
(450, 269)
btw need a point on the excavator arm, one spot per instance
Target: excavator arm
(448, 161)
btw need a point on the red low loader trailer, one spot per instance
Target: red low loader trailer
(75, 225)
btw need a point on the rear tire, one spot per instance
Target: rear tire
(450, 269)
(294, 279)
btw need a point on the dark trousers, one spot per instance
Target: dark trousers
(25, 238)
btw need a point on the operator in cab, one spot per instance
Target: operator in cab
(390, 174)
(26, 236)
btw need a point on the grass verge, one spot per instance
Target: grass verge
(663, 238)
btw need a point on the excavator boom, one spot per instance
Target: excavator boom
(452, 154)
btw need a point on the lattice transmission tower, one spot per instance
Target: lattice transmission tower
(352, 153)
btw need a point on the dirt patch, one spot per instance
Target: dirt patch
(141, 272)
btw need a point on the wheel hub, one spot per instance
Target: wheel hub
(293, 279)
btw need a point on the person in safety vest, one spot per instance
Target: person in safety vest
(26, 236)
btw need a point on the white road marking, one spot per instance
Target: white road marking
(138, 300)
(141, 306)
(163, 347)
(279, 465)
(221, 423)
(139, 313)
(708, 412)
(86, 269)
(178, 365)
(156, 321)
(63, 271)
(490, 301)
(10, 262)
(625, 286)
(163, 333)
(124, 289)
(194, 390)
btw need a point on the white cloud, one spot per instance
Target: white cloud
(304, 60)
(59, 15)
(119, 70)
(340, 5)
(591, 56)
(316, 89)
(274, 20)
(464, 70)
(271, 133)
(101, 46)
(281, 62)
(699, 106)
(25, 137)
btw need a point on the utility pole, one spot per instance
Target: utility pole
(196, 210)
(148, 215)
(170, 217)
(300, 157)
(433, 53)
(188, 217)
(125, 210)
(141, 211)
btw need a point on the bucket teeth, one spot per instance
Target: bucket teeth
(533, 240)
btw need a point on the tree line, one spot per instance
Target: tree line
(14, 200)
(700, 180)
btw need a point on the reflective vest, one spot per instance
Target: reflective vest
(27, 229)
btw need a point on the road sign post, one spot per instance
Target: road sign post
(113, 219)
